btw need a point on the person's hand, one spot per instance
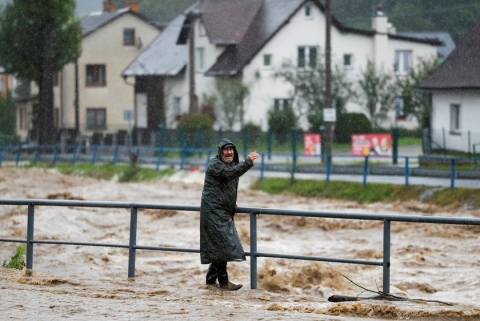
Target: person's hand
(253, 156)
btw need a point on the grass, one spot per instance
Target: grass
(372, 192)
(107, 171)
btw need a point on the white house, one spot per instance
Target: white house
(252, 38)
(455, 88)
(90, 95)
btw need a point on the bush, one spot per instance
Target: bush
(254, 132)
(351, 123)
(16, 261)
(281, 120)
(194, 121)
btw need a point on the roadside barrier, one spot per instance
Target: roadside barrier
(275, 162)
(254, 214)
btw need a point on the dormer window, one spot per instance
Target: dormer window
(128, 37)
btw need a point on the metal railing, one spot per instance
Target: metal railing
(254, 212)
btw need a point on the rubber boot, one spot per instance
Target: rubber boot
(223, 278)
(212, 274)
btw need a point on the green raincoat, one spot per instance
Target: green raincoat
(219, 241)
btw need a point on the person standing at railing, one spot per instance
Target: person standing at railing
(219, 240)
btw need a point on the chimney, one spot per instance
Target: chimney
(133, 6)
(109, 6)
(380, 20)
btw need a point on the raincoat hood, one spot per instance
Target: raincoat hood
(227, 142)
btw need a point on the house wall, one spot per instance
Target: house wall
(104, 46)
(175, 87)
(264, 87)
(469, 133)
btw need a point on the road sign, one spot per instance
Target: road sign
(329, 115)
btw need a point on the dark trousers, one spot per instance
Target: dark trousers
(217, 270)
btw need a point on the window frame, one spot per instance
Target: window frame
(128, 43)
(200, 61)
(268, 57)
(307, 11)
(402, 61)
(455, 114)
(307, 57)
(95, 81)
(96, 111)
(352, 61)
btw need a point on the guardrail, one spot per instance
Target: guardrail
(253, 212)
(186, 156)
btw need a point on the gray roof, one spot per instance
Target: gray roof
(96, 20)
(163, 56)
(444, 50)
(461, 70)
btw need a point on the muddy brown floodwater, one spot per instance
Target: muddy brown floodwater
(432, 263)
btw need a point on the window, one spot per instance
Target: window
(96, 118)
(128, 37)
(454, 118)
(96, 75)
(200, 58)
(282, 103)
(177, 105)
(307, 57)
(308, 11)
(267, 61)
(56, 77)
(348, 61)
(402, 61)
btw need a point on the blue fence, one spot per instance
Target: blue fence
(254, 214)
(280, 162)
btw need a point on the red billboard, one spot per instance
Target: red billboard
(312, 144)
(372, 145)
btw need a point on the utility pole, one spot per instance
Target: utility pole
(328, 139)
(191, 63)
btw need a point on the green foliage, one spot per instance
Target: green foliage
(413, 15)
(107, 171)
(309, 90)
(372, 192)
(17, 260)
(195, 121)
(416, 102)
(376, 92)
(229, 99)
(7, 115)
(254, 132)
(351, 123)
(281, 119)
(42, 37)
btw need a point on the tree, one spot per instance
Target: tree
(229, 99)
(309, 90)
(376, 93)
(416, 102)
(39, 38)
(7, 115)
